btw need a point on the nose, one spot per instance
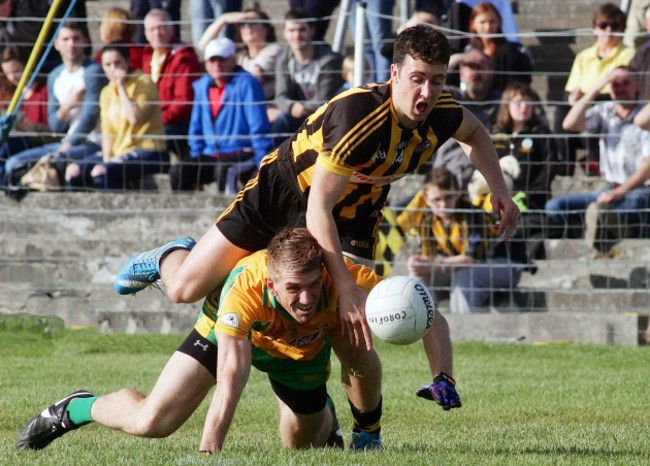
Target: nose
(426, 90)
(306, 298)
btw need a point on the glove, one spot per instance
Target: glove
(442, 391)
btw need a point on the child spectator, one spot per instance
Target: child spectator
(132, 129)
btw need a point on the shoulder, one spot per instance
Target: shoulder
(92, 66)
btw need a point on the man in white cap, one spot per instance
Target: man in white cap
(229, 124)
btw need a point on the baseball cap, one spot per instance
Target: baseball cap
(221, 47)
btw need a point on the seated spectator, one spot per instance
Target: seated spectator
(260, 51)
(32, 116)
(617, 210)
(317, 9)
(173, 67)
(307, 75)
(508, 62)
(132, 130)
(640, 64)
(73, 93)
(418, 17)
(118, 25)
(203, 12)
(479, 96)
(521, 132)
(642, 119)
(141, 8)
(229, 126)
(459, 257)
(589, 67)
(347, 71)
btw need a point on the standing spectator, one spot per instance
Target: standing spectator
(640, 64)
(589, 67)
(173, 67)
(32, 115)
(141, 8)
(118, 25)
(73, 94)
(508, 23)
(508, 62)
(521, 132)
(625, 165)
(379, 28)
(260, 51)
(317, 9)
(637, 19)
(132, 129)
(308, 75)
(229, 123)
(459, 250)
(203, 12)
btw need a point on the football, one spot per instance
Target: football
(400, 310)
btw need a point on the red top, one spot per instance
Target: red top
(35, 106)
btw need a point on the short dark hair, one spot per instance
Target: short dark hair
(298, 14)
(295, 250)
(120, 47)
(76, 25)
(442, 178)
(424, 43)
(611, 12)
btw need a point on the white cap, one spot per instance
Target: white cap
(221, 47)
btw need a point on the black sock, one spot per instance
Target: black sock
(369, 421)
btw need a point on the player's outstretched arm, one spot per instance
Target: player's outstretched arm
(233, 369)
(475, 141)
(437, 346)
(326, 190)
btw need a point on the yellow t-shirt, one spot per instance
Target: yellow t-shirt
(129, 137)
(588, 69)
(248, 310)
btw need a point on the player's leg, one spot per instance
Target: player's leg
(361, 376)
(182, 385)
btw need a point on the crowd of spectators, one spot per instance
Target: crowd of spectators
(149, 103)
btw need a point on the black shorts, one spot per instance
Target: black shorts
(301, 402)
(273, 201)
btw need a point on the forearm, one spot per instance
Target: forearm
(638, 179)
(107, 147)
(575, 120)
(437, 346)
(220, 414)
(131, 110)
(642, 118)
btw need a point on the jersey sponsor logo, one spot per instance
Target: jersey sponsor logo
(378, 180)
(230, 319)
(424, 145)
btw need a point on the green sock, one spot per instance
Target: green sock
(79, 410)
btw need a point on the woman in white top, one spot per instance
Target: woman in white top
(259, 51)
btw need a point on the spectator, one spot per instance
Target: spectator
(118, 25)
(26, 20)
(379, 27)
(508, 62)
(141, 8)
(418, 17)
(508, 22)
(477, 95)
(520, 131)
(73, 93)
(640, 64)
(173, 67)
(307, 75)
(203, 12)
(317, 9)
(228, 125)
(589, 67)
(459, 256)
(347, 72)
(132, 129)
(642, 119)
(32, 116)
(625, 165)
(260, 51)
(637, 19)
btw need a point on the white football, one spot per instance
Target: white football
(400, 310)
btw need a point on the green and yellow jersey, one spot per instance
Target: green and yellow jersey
(248, 310)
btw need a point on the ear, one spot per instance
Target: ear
(271, 286)
(393, 72)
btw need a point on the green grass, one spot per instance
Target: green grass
(522, 404)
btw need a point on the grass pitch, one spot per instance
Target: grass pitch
(522, 404)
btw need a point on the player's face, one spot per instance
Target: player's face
(441, 201)
(416, 87)
(298, 293)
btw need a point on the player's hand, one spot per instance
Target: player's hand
(352, 312)
(442, 391)
(505, 210)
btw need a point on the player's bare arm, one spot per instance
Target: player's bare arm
(475, 141)
(326, 190)
(233, 369)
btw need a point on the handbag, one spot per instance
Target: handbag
(43, 176)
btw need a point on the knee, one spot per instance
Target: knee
(181, 293)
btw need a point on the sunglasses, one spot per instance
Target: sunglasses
(250, 25)
(605, 24)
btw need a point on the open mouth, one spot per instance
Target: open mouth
(421, 107)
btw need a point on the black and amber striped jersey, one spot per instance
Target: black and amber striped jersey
(357, 134)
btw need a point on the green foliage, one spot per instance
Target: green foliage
(522, 404)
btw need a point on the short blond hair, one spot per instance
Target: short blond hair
(293, 250)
